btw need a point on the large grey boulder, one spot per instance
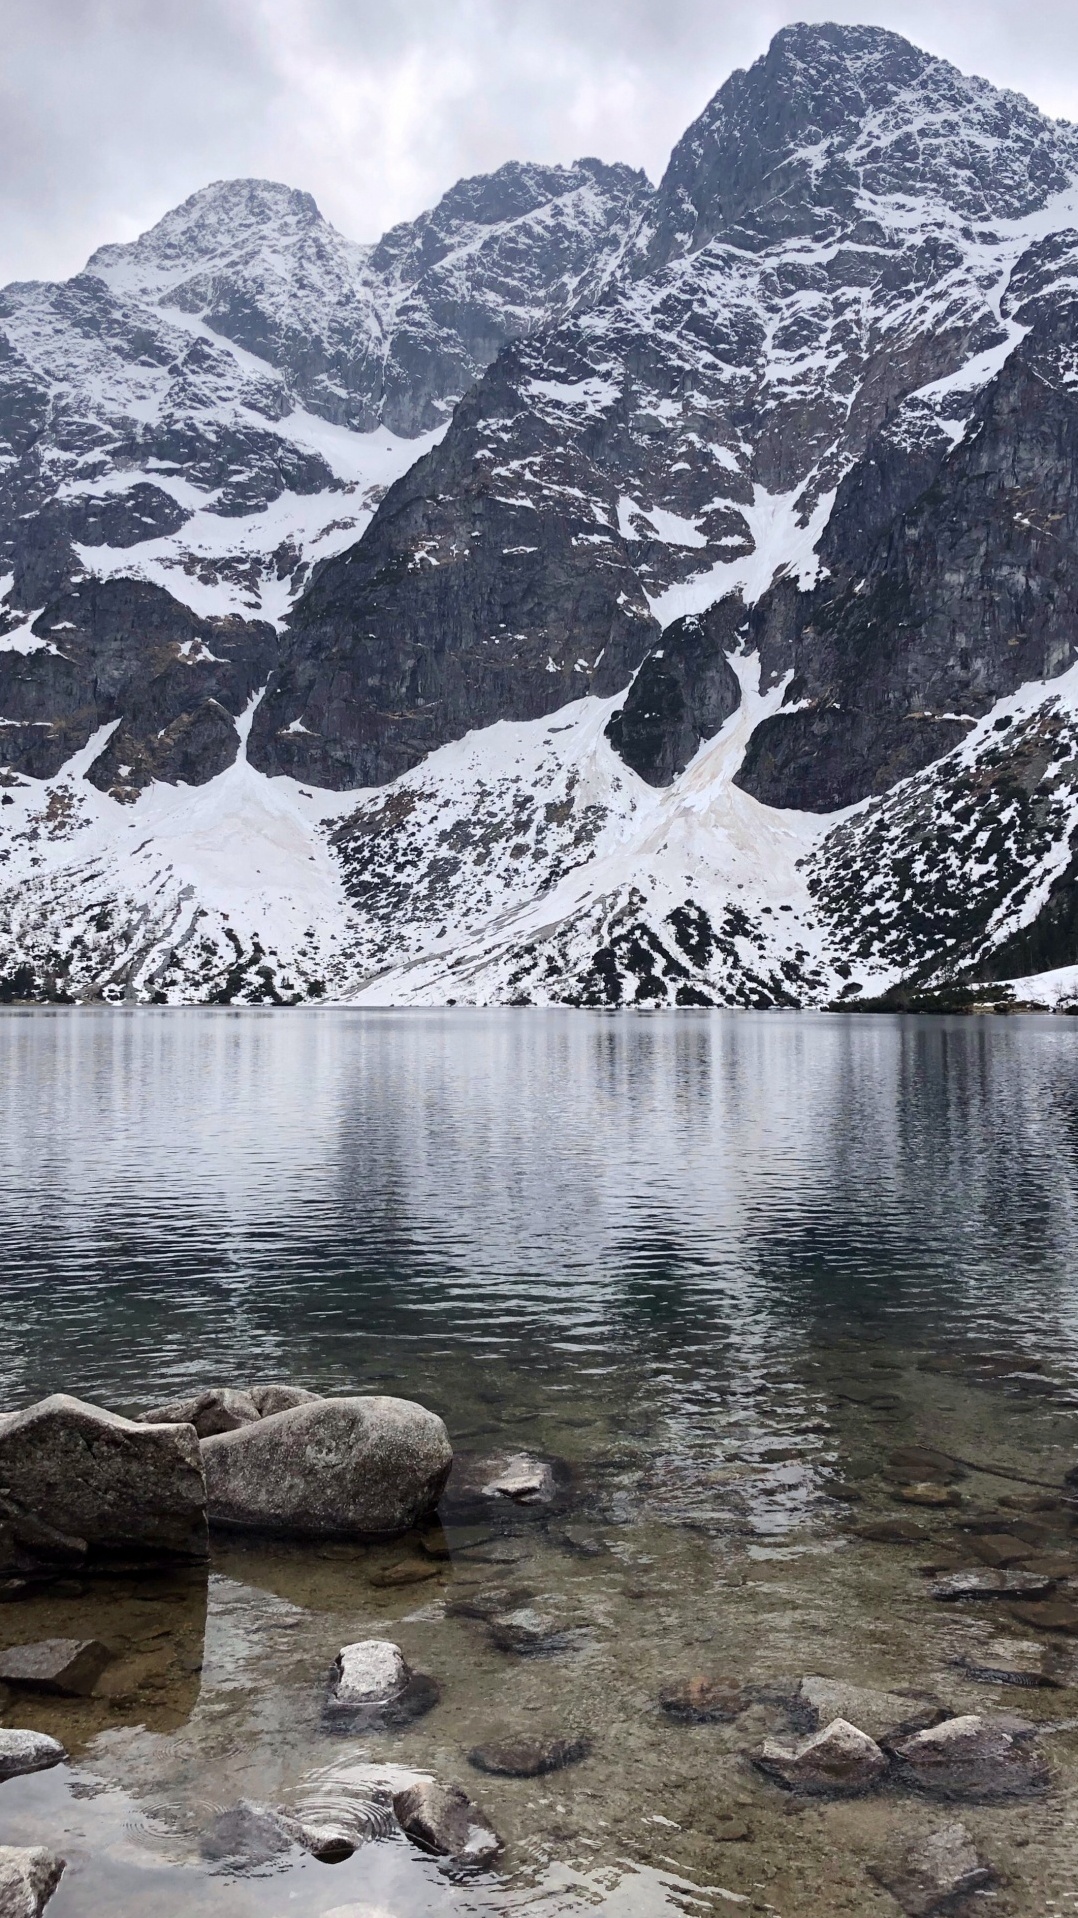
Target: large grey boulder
(349, 1467)
(118, 1486)
(28, 1877)
(22, 1751)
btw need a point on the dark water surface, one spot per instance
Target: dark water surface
(721, 1265)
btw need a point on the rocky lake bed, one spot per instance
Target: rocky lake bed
(832, 1667)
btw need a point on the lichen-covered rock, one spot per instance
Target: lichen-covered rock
(443, 1819)
(839, 1760)
(971, 1757)
(348, 1467)
(123, 1487)
(22, 1751)
(28, 1877)
(931, 1873)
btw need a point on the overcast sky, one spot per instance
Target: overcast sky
(111, 111)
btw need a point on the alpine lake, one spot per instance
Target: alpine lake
(790, 1303)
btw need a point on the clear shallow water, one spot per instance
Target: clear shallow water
(668, 1250)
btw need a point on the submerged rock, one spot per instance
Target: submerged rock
(120, 1486)
(443, 1819)
(407, 1571)
(528, 1631)
(839, 1760)
(1010, 1661)
(218, 1409)
(528, 1481)
(351, 1467)
(513, 1757)
(1054, 1615)
(70, 1667)
(971, 1757)
(28, 1877)
(928, 1493)
(248, 1835)
(705, 1701)
(818, 1701)
(930, 1874)
(988, 1584)
(373, 1685)
(22, 1751)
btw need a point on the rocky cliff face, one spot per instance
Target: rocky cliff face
(690, 571)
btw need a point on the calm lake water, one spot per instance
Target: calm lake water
(720, 1265)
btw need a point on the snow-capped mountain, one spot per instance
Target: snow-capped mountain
(589, 593)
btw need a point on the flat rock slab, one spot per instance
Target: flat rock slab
(971, 1757)
(408, 1571)
(818, 1701)
(528, 1481)
(512, 1757)
(889, 1531)
(68, 1666)
(705, 1700)
(1010, 1661)
(121, 1486)
(443, 1819)
(931, 1873)
(349, 1467)
(28, 1878)
(490, 1601)
(1000, 1550)
(928, 1494)
(1054, 1615)
(839, 1761)
(372, 1686)
(982, 1583)
(22, 1751)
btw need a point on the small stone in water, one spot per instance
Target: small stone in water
(996, 1548)
(1055, 1615)
(971, 1756)
(28, 1877)
(927, 1493)
(69, 1666)
(526, 1631)
(934, 1871)
(582, 1542)
(528, 1481)
(1009, 1661)
(703, 1701)
(487, 1603)
(889, 1531)
(819, 1701)
(372, 1685)
(248, 1835)
(730, 1829)
(22, 1751)
(443, 1819)
(512, 1757)
(408, 1571)
(985, 1584)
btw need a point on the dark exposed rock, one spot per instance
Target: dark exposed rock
(122, 1487)
(518, 1757)
(354, 1467)
(681, 695)
(68, 1666)
(443, 1819)
(971, 1757)
(931, 1873)
(28, 1878)
(840, 1760)
(22, 1751)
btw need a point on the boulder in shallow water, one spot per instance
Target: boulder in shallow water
(122, 1487)
(28, 1877)
(527, 1481)
(68, 1667)
(443, 1819)
(971, 1757)
(931, 1873)
(372, 1685)
(838, 1761)
(221, 1408)
(350, 1467)
(528, 1632)
(22, 1751)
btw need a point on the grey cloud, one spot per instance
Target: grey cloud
(113, 110)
